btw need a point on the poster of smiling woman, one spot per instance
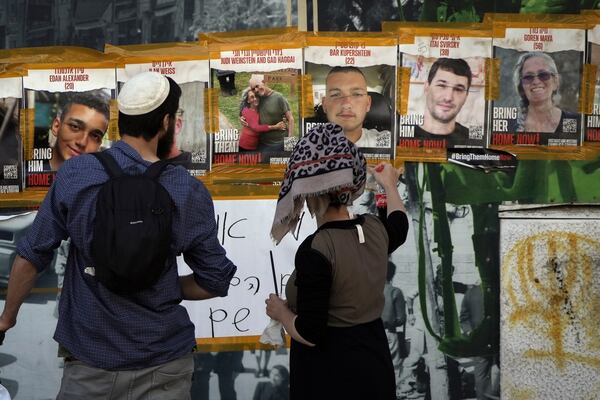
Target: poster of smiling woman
(540, 64)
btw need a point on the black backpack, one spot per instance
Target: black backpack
(132, 228)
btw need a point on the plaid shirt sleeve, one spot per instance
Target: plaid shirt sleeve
(202, 251)
(48, 228)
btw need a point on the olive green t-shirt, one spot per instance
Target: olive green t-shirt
(271, 110)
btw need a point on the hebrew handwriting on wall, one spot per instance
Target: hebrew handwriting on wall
(550, 342)
(243, 228)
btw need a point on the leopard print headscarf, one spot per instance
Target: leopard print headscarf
(324, 167)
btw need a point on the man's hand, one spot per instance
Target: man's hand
(243, 121)
(278, 126)
(4, 326)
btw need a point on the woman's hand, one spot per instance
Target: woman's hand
(276, 307)
(278, 310)
(385, 175)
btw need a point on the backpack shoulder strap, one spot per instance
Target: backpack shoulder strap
(109, 164)
(156, 169)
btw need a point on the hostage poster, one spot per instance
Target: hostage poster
(445, 104)
(354, 85)
(539, 82)
(71, 116)
(258, 103)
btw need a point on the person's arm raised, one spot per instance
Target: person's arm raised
(387, 177)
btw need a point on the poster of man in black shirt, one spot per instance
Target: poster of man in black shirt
(446, 92)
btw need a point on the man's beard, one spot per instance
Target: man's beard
(166, 142)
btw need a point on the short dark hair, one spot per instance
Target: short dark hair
(147, 125)
(96, 100)
(344, 69)
(457, 66)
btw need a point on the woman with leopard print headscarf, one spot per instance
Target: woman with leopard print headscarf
(335, 294)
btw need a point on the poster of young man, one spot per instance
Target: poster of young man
(592, 123)
(11, 150)
(446, 104)
(257, 82)
(354, 81)
(191, 145)
(539, 82)
(71, 108)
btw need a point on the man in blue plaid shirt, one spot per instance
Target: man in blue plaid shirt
(125, 347)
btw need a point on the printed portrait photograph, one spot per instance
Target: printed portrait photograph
(259, 118)
(539, 92)
(345, 104)
(447, 96)
(66, 125)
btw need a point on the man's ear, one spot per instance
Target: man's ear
(324, 104)
(369, 102)
(55, 126)
(178, 124)
(165, 122)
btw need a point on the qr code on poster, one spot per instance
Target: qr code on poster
(199, 156)
(383, 139)
(569, 125)
(289, 143)
(10, 171)
(476, 132)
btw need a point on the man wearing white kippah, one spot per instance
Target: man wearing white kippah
(134, 345)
